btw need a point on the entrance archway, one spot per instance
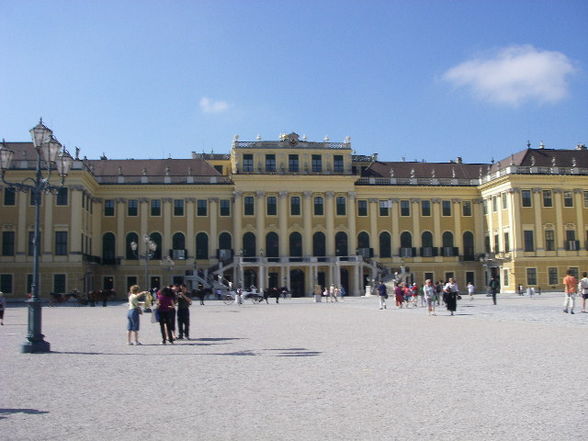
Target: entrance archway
(297, 283)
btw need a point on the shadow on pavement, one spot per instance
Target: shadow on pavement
(4, 412)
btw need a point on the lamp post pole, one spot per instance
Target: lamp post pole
(47, 150)
(150, 248)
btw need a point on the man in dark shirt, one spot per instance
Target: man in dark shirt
(183, 305)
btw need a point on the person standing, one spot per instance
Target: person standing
(471, 289)
(133, 314)
(399, 295)
(450, 295)
(184, 303)
(494, 286)
(430, 294)
(570, 283)
(2, 308)
(165, 302)
(383, 295)
(583, 288)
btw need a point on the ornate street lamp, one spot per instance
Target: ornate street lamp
(50, 155)
(150, 248)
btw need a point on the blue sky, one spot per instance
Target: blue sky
(417, 79)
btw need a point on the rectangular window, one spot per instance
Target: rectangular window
(574, 271)
(470, 277)
(446, 208)
(496, 243)
(362, 207)
(547, 198)
(506, 242)
(505, 278)
(526, 200)
(586, 199)
(466, 208)
(178, 207)
(425, 208)
(156, 207)
(225, 207)
(341, 206)
(59, 283)
(6, 283)
(531, 276)
(293, 164)
(494, 204)
(10, 196)
(8, 243)
(317, 164)
(338, 166)
(384, 208)
(319, 206)
(568, 198)
(248, 206)
(552, 276)
(131, 280)
(272, 206)
(485, 206)
(571, 244)
(549, 240)
(61, 243)
(248, 163)
(132, 207)
(504, 201)
(201, 207)
(529, 242)
(270, 163)
(61, 198)
(294, 205)
(109, 207)
(404, 207)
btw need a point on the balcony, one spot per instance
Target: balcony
(429, 251)
(407, 252)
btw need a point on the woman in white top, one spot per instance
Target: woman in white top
(133, 314)
(430, 293)
(471, 289)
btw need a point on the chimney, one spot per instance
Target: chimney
(459, 160)
(581, 147)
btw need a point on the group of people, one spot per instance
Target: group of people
(431, 294)
(571, 287)
(171, 303)
(331, 294)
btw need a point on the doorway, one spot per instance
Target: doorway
(297, 283)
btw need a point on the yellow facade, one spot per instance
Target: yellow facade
(296, 213)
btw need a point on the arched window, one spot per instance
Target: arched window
(249, 249)
(385, 244)
(202, 246)
(130, 254)
(272, 245)
(447, 239)
(427, 239)
(178, 241)
(319, 247)
(108, 248)
(341, 244)
(363, 240)
(224, 241)
(295, 245)
(406, 240)
(468, 245)
(156, 238)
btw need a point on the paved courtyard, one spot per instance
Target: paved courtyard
(302, 371)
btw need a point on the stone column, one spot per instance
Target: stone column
(540, 237)
(416, 227)
(307, 215)
(559, 224)
(395, 229)
(330, 216)
(283, 225)
(213, 204)
(22, 232)
(190, 236)
(479, 226)
(166, 242)
(373, 213)
(121, 237)
(515, 218)
(144, 219)
(457, 235)
(237, 211)
(436, 203)
(579, 204)
(97, 206)
(490, 223)
(77, 215)
(48, 233)
(352, 239)
(260, 220)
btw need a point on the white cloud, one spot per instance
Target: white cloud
(515, 74)
(208, 105)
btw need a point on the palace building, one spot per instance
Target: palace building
(297, 213)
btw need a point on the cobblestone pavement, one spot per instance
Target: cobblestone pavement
(302, 371)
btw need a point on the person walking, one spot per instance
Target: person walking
(383, 295)
(494, 286)
(165, 303)
(570, 284)
(471, 289)
(133, 315)
(583, 288)
(430, 294)
(450, 295)
(184, 303)
(399, 295)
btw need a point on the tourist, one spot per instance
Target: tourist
(317, 294)
(184, 303)
(494, 286)
(439, 290)
(399, 295)
(570, 285)
(583, 289)
(450, 295)
(2, 308)
(383, 295)
(133, 314)
(165, 303)
(471, 289)
(430, 294)
(332, 293)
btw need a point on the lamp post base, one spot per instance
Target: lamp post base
(35, 347)
(35, 343)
